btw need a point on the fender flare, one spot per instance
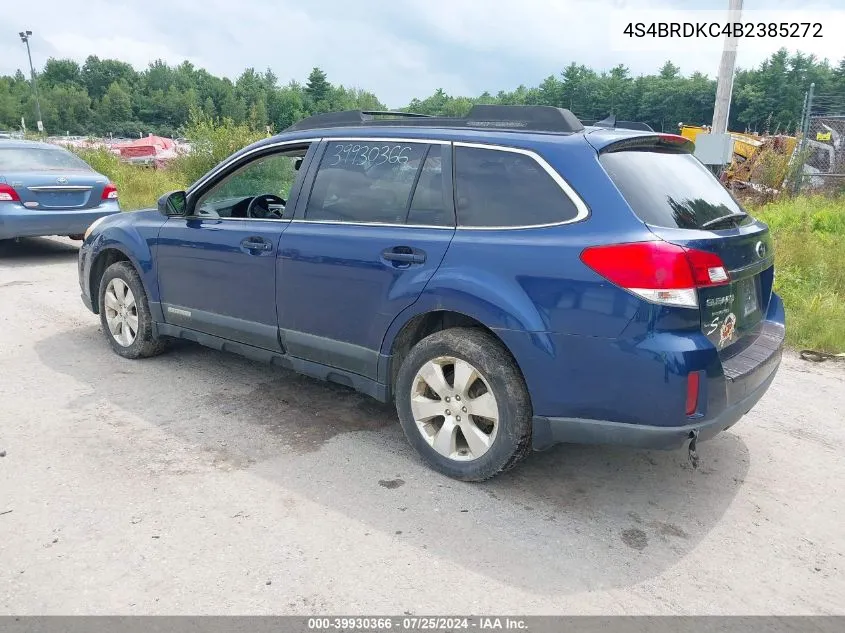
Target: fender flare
(493, 318)
(119, 239)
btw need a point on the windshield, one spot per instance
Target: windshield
(673, 190)
(38, 158)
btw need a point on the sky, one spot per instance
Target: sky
(398, 49)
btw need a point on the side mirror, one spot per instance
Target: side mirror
(174, 203)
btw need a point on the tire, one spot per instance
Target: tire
(457, 351)
(143, 343)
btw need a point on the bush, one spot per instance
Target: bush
(212, 140)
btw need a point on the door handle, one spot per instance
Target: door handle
(403, 255)
(256, 244)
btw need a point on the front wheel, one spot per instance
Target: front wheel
(463, 404)
(125, 313)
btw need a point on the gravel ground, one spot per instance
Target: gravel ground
(199, 482)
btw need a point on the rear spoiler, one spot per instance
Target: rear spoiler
(611, 123)
(664, 142)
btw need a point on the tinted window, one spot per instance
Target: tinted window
(37, 158)
(365, 182)
(669, 189)
(431, 205)
(500, 188)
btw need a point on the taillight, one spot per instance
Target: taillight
(110, 192)
(693, 384)
(659, 272)
(7, 194)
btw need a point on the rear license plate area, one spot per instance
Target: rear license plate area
(747, 291)
(59, 199)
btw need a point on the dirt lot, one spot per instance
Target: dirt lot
(199, 482)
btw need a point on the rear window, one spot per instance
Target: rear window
(37, 158)
(497, 188)
(669, 189)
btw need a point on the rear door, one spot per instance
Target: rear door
(371, 232)
(683, 203)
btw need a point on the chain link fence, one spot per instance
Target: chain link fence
(822, 148)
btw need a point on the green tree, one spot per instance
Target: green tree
(107, 95)
(60, 72)
(208, 108)
(318, 89)
(70, 109)
(115, 107)
(286, 106)
(98, 75)
(258, 116)
(669, 71)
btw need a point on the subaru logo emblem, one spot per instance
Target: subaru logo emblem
(61, 180)
(761, 249)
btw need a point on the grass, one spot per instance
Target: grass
(138, 187)
(809, 235)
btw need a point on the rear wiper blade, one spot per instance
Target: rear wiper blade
(741, 215)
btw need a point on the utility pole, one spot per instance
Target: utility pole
(724, 87)
(802, 147)
(25, 35)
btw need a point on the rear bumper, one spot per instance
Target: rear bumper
(732, 387)
(18, 221)
(550, 431)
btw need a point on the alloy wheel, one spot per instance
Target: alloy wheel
(454, 408)
(121, 312)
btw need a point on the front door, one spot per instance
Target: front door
(370, 235)
(217, 266)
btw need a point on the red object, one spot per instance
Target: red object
(110, 192)
(673, 139)
(658, 271)
(7, 194)
(707, 268)
(656, 265)
(693, 383)
(149, 146)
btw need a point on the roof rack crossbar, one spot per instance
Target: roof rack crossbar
(519, 118)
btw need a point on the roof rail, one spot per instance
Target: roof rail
(498, 117)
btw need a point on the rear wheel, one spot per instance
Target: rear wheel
(125, 313)
(463, 404)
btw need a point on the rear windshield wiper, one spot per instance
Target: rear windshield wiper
(740, 215)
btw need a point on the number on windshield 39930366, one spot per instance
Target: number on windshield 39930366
(360, 154)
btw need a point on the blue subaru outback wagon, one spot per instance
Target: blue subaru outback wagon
(510, 279)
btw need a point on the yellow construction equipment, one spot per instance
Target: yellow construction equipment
(759, 160)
